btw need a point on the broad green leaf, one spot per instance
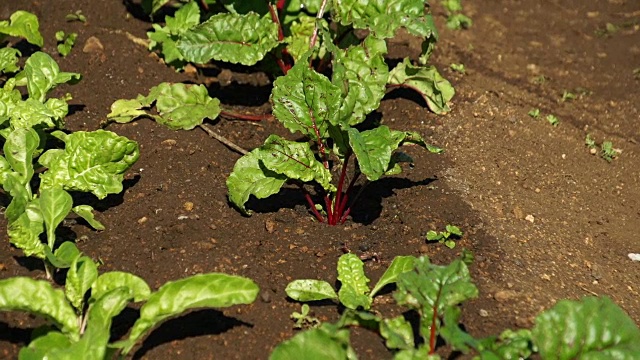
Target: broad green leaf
(9, 98)
(65, 254)
(399, 265)
(114, 279)
(394, 165)
(593, 328)
(298, 42)
(25, 25)
(86, 212)
(9, 60)
(234, 38)
(175, 297)
(187, 17)
(353, 282)
(383, 17)
(20, 195)
(152, 6)
(314, 344)
(250, 177)
(165, 38)
(5, 169)
(415, 138)
(451, 332)
(310, 290)
(124, 111)
(181, 106)
(509, 345)
(39, 298)
(31, 113)
(55, 205)
(19, 151)
(305, 101)
(24, 232)
(244, 6)
(421, 353)
(82, 273)
(42, 346)
(373, 148)
(397, 332)
(361, 74)
(42, 74)
(295, 160)
(434, 89)
(91, 161)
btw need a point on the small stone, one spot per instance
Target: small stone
(593, 151)
(92, 45)
(169, 142)
(504, 295)
(530, 218)
(270, 226)
(188, 206)
(143, 220)
(545, 277)
(484, 313)
(299, 231)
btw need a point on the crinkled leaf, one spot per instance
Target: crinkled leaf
(55, 205)
(20, 195)
(152, 6)
(25, 25)
(108, 281)
(244, 6)
(181, 106)
(64, 255)
(9, 60)
(19, 151)
(39, 298)
(24, 232)
(353, 282)
(399, 265)
(310, 290)
(305, 101)
(249, 177)
(451, 332)
(234, 38)
(299, 40)
(421, 353)
(91, 161)
(124, 111)
(373, 148)
(187, 17)
(509, 345)
(295, 9)
(361, 74)
(175, 297)
(593, 328)
(82, 273)
(295, 160)
(397, 332)
(165, 37)
(434, 89)
(314, 344)
(40, 347)
(31, 113)
(384, 17)
(42, 74)
(86, 213)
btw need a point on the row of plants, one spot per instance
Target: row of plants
(329, 111)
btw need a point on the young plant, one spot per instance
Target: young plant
(607, 151)
(303, 319)
(65, 42)
(22, 24)
(458, 68)
(534, 113)
(354, 290)
(445, 237)
(456, 20)
(76, 16)
(590, 142)
(552, 119)
(82, 330)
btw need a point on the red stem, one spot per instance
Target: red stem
(343, 203)
(248, 117)
(281, 4)
(312, 206)
(285, 67)
(343, 175)
(330, 215)
(432, 336)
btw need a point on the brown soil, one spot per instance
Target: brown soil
(545, 219)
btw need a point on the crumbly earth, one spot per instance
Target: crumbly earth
(545, 218)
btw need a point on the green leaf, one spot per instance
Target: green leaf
(66, 254)
(25, 25)
(310, 290)
(19, 151)
(9, 58)
(181, 106)
(40, 347)
(361, 74)
(509, 345)
(295, 160)
(86, 212)
(91, 161)
(305, 101)
(124, 111)
(314, 344)
(384, 17)
(399, 265)
(65, 42)
(82, 273)
(39, 298)
(301, 30)
(434, 89)
(165, 38)
(354, 284)
(373, 148)
(234, 38)
(42, 74)
(24, 231)
(451, 332)
(397, 333)
(175, 297)
(31, 113)
(249, 177)
(55, 205)
(593, 328)
(434, 236)
(106, 282)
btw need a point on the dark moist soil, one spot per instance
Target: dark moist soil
(545, 219)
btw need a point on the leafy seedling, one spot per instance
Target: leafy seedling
(458, 68)
(534, 113)
(607, 151)
(354, 290)
(65, 42)
(445, 237)
(566, 96)
(303, 319)
(76, 16)
(589, 142)
(456, 20)
(22, 24)
(539, 80)
(82, 330)
(552, 119)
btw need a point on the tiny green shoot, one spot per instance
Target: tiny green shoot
(590, 142)
(76, 16)
(539, 80)
(607, 151)
(303, 319)
(552, 119)
(445, 237)
(534, 113)
(458, 68)
(456, 20)
(567, 95)
(65, 42)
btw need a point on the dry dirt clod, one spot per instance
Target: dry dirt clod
(270, 226)
(503, 296)
(92, 45)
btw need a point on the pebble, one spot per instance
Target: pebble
(484, 313)
(92, 45)
(143, 220)
(270, 226)
(504, 295)
(530, 218)
(634, 256)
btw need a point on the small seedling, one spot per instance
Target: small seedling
(607, 151)
(534, 113)
(303, 319)
(445, 237)
(539, 80)
(456, 20)
(458, 68)
(552, 119)
(589, 142)
(77, 16)
(65, 42)
(566, 95)
(636, 73)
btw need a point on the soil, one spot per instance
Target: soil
(545, 218)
